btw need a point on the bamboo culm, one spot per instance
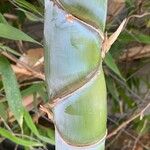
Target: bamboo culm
(74, 74)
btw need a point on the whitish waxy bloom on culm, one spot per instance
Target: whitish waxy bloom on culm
(74, 75)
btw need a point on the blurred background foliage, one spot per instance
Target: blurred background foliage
(126, 69)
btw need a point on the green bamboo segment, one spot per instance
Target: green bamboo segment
(92, 11)
(81, 119)
(73, 68)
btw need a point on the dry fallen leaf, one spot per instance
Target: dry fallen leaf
(32, 56)
(136, 53)
(114, 8)
(19, 70)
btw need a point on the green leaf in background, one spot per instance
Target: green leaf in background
(3, 112)
(33, 128)
(17, 140)
(30, 123)
(3, 47)
(14, 99)
(32, 16)
(111, 86)
(142, 126)
(28, 6)
(36, 88)
(41, 2)
(8, 49)
(50, 140)
(9, 32)
(31, 89)
(109, 61)
(2, 19)
(47, 132)
(135, 36)
(145, 39)
(127, 99)
(13, 95)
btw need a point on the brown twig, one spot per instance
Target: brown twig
(139, 16)
(138, 138)
(10, 16)
(124, 124)
(19, 70)
(135, 16)
(128, 134)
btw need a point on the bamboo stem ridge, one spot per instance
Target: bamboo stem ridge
(72, 52)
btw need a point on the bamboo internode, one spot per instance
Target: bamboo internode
(73, 33)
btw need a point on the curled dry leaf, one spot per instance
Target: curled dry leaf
(108, 41)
